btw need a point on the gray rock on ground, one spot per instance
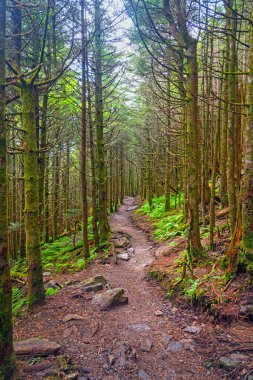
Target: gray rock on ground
(121, 242)
(123, 256)
(232, 361)
(94, 284)
(247, 310)
(110, 298)
(53, 285)
(193, 329)
(143, 375)
(72, 317)
(139, 327)
(146, 344)
(36, 346)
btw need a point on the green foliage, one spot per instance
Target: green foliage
(51, 291)
(167, 224)
(192, 290)
(18, 300)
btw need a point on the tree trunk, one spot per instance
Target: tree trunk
(247, 188)
(101, 169)
(86, 250)
(231, 141)
(92, 163)
(7, 360)
(35, 277)
(193, 150)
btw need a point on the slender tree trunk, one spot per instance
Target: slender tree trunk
(149, 174)
(213, 182)
(42, 163)
(168, 158)
(247, 188)
(193, 151)
(84, 140)
(101, 169)
(56, 184)
(35, 277)
(7, 360)
(231, 141)
(92, 163)
(224, 130)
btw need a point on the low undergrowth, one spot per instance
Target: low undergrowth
(61, 256)
(203, 282)
(167, 224)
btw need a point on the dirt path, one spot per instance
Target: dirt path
(116, 344)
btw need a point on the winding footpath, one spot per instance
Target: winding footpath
(144, 339)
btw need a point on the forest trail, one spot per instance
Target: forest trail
(144, 339)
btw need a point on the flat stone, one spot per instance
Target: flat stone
(193, 329)
(36, 346)
(232, 361)
(121, 242)
(93, 288)
(72, 331)
(146, 344)
(132, 208)
(47, 273)
(139, 327)
(110, 298)
(175, 346)
(123, 256)
(72, 376)
(94, 284)
(166, 338)
(158, 313)
(53, 285)
(130, 251)
(247, 310)
(72, 317)
(143, 375)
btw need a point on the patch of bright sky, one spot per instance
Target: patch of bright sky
(125, 46)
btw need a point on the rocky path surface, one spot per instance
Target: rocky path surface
(147, 338)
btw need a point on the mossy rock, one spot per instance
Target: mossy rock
(94, 283)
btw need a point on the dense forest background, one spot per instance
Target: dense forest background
(102, 99)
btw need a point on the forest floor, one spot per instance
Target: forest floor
(144, 339)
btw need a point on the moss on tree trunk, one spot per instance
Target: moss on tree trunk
(7, 360)
(31, 177)
(247, 188)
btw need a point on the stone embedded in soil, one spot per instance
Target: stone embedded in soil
(146, 344)
(139, 327)
(46, 273)
(158, 313)
(121, 242)
(110, 298)
(130, 251)
(132, 208)
(72, 317)
(72, 376)
(94, 283)
(123, 256)
(166, 338)
(232, 361)
(143, 375)
(53, 285)
(175, 346)
(193, 329)
(247, 310)
(36, 346)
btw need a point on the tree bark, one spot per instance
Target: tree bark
(35, 277)
(86, 250)
(7, 360)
